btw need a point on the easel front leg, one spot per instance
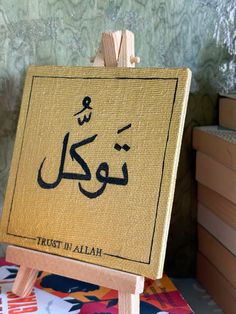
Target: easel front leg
(128, 303)
(24, 281)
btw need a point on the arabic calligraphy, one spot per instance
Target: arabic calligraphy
(86, 104)
(102, 172)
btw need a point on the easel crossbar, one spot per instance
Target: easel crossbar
(113, 279)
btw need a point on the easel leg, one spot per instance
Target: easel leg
(25, 281)
(129, 303)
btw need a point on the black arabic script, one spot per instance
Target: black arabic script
(102, 172)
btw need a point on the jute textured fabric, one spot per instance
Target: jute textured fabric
(94, 164)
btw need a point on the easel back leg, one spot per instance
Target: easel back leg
(25, 281)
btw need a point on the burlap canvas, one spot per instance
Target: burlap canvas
(94, 165)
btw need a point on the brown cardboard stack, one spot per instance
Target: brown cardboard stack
(216, 176)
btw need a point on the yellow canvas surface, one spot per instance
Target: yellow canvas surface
(94, 165)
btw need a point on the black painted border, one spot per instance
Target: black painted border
(163, 164)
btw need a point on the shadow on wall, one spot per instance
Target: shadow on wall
(202, 110)
(8, 122)
(9, 111)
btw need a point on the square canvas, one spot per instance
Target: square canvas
(94, 164)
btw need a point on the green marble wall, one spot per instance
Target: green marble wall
(199, 34)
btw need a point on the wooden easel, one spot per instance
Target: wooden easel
(116, 50)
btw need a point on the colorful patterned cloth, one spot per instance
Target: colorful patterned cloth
(54, 294)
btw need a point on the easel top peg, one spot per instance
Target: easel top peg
(116, 50)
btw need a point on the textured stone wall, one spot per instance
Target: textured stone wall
(199, 34)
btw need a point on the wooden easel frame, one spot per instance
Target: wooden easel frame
(116, 50)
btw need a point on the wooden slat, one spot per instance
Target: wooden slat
(24, 281)
(216, 176)
(111, 46)
(217, 227)
(218, 287)
(126, 50)
(217, 254)
(218, 204)
(129, 303)
(217, 143)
